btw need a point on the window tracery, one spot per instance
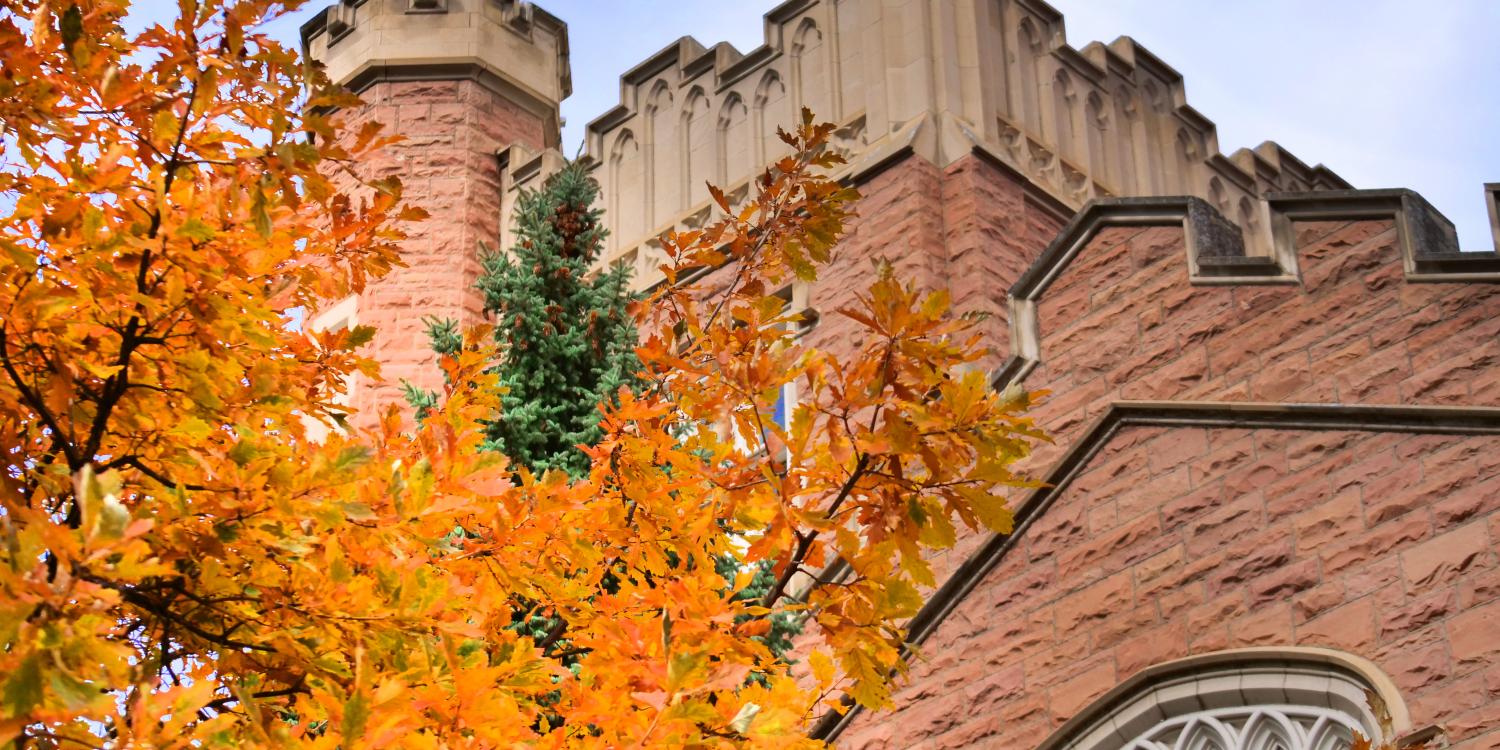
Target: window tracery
(1253, 699)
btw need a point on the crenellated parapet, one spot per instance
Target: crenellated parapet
(942, 79)
(1218, 252)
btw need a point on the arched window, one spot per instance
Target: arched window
(1255, 699)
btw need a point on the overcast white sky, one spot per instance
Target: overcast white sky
(1387, 93)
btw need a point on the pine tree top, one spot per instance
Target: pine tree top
(565, 335)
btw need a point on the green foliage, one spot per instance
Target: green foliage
(566, 338)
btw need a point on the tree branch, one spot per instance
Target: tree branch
(806, 540)
(37, 404)
(134, 462)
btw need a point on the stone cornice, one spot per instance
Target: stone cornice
(473, 70)
(1207, 232)
(1426, 420)
(513, 47)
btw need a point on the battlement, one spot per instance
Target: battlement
(1219, 253)
(998, 78)
(510, 46)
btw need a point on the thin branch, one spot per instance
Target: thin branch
(221, 704)
(806, 540)
(35, 402)
(134, 462)
(554, 634)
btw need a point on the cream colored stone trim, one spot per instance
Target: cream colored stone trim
(1236, 677)
(996, 74)
(508, 44)
(1492, 202)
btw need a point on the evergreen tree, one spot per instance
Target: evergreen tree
(566, 339)
(566, 343)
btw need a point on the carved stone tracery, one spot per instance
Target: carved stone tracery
(1078, 124)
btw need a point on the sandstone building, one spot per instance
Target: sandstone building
(1276, 484)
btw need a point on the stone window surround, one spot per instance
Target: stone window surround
(1341, 686)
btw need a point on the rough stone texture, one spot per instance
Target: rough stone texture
(969, 229)
(448, 166)
(1134, 566)
(1182, 541)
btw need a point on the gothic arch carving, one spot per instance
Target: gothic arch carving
(660, 98)
(1028, 51)
(773, 109)
(1064, 125)
(662, 153)
(1189, 156)
(1156, 152)
(736, 156)
(1128, 120)
(1218, 198)
(627, 191)
(812, 71)
(1097, 125)
(698, 149)
(1247, 699)
(1248, 217)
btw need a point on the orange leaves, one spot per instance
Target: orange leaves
(168, 211)
(886, 448)
(177, 545)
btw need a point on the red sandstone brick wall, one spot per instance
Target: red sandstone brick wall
(1173, 542)
(968, 228)
(448, 165)
(1183, 541)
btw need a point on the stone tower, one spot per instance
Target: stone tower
(466, 82)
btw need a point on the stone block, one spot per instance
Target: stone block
(1443, 558)
(1349, 626)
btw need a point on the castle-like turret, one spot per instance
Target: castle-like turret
(461, 80)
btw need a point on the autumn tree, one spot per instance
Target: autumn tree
(182, 567)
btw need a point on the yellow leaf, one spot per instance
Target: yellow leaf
(822, 668)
